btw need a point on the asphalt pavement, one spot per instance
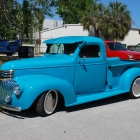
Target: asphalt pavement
(115, 118)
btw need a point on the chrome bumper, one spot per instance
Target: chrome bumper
(9, 107)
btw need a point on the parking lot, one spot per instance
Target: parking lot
(115, 118)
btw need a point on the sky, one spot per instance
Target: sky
(133, 7)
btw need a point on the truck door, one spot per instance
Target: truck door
(90, 74)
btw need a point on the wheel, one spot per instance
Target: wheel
(47, 103)
(135, 89)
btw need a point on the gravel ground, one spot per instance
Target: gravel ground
(115, 118)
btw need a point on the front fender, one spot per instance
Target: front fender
(34, 85)
(127, 78)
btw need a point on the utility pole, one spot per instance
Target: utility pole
(36, 49)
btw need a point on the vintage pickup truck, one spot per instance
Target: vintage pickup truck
(74, 68)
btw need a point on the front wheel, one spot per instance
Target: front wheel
(47, 103)
(135, 89)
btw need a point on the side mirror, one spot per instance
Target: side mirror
(84, 57)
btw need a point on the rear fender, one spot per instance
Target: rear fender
(34, 85)
(128, 77)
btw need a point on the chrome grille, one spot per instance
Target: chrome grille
(6, 89)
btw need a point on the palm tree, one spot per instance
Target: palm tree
(92, 17)
(116, 21)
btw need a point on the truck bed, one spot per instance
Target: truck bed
(116, 67)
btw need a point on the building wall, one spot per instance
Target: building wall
(50, 24)
(67, 30)
(132, 38)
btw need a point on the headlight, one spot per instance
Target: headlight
(16, 90)
(131, 57)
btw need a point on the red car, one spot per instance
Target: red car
(116, 49)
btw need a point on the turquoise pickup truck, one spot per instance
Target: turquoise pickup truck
(74, 68)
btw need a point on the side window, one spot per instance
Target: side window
(90, 51)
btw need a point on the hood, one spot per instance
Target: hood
(36, 62)
(128, 52)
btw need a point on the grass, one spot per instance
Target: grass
(0, 62)
(4, 59)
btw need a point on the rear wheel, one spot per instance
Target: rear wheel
(47, 103)
(135, 89)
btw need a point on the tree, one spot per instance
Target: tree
(116, 21)
(44, 5)
(71, 11)
(92, 17)
(27, 19)
(21, 19)
(39, 18)
(8, 23)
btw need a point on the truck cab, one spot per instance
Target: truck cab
(74, 68)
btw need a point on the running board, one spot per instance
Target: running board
(85, 98)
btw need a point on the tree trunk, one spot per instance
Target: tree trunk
(39, 41)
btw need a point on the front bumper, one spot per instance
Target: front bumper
(9, 107)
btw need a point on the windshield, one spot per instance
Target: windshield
(68, 49)
(116, 46)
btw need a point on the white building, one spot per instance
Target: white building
(132, 38)
(50, 24)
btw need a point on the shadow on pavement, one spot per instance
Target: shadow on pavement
(98, 103)
(30, 113)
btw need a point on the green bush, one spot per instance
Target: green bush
(124, 45)
(0, 62)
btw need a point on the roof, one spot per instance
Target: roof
(79, 24)
(72, 39)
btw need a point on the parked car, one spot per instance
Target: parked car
(74, 68)
(134, 48)
(116, 49)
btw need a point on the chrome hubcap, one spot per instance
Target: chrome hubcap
(50, 102)
(136, 87)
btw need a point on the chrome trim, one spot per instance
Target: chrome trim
(6, 74)
(6, 89)
(136, 87)
(9, 107)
